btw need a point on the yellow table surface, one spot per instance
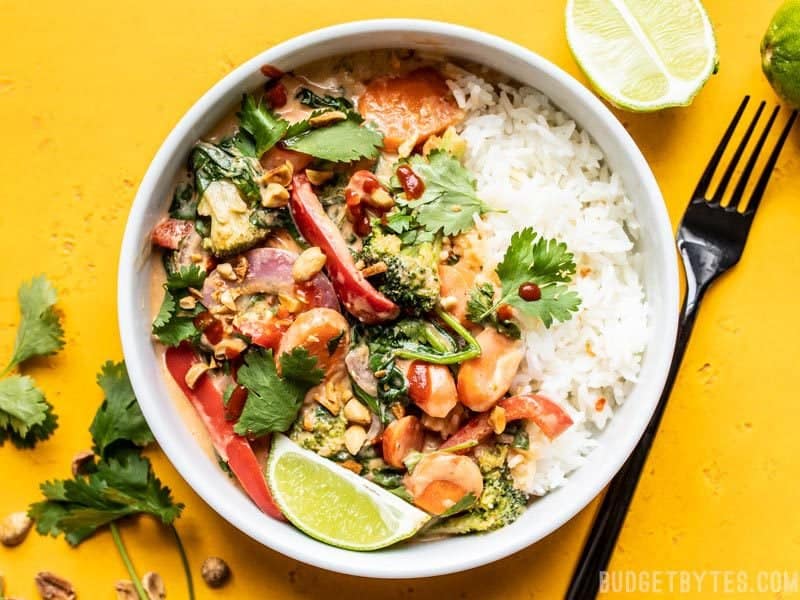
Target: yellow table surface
(88, 91)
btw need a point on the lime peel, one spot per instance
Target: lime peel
(780, 52)
(643, 55)
(334, 505)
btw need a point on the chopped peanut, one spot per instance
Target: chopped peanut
(308, 264)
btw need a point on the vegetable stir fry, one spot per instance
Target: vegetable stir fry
(324, 279)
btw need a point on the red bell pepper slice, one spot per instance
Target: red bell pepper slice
(207, 401)
(549, 416)
(357, 294)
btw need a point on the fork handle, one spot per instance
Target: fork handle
(610, 517)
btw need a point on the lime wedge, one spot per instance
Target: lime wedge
(643, 55)
(335, 505)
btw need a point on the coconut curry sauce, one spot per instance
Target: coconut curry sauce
(317, 259)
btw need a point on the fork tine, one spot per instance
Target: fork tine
(738, 192)
(761, 185)
(705, 179)
(723, 183)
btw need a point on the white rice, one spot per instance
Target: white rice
(535, 163)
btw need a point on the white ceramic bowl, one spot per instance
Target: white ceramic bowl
(545, 514)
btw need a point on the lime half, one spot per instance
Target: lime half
(335, 505)
(643, 55)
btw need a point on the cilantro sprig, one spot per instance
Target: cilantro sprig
(529, 258)
(119, 418)
(259, 128)
(274, 400)
(26, 417)
(448, 205)
(343, 141)
(173, 325)
(40, 332)
(119, 482)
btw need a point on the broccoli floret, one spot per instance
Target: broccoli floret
(499, 505)
(411, 278)
(491, 457)
(232, 230)
(319, 431)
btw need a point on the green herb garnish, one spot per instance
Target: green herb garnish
(531, 258)
(273, 400)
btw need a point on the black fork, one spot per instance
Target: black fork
(711, 238)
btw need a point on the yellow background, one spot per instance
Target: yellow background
(88, 90)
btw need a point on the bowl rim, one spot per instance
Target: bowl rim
(132, 345)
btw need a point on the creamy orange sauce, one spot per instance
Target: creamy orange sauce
(336, 76)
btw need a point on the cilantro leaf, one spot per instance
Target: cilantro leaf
(40, 332)
(165, 312)
(263, 128)
(186, 277)
(299, 366)
(531, 258)
(309, 98)
(122, 485)
(37, 433)
(173, 325)
(119, 417)
(449, 203)
(273, 401)
(479, 311)
(25, 415)
(344, 141)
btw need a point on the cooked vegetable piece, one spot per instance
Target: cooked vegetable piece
(499, 504)
(232, 229)
(439, 481)
(269, 272)
(483, 380)
(315, 331)
(400, 438)
(234, 449)
(548, 416)
(410, 277)
(410, 108)
(309, 98)
(431, 387)
(456, 283)
(320, 431)
(359, 297)
(171, 232)
(278, 156)
(211, 163)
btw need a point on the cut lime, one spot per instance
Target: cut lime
(335, 505)
(643, 55)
